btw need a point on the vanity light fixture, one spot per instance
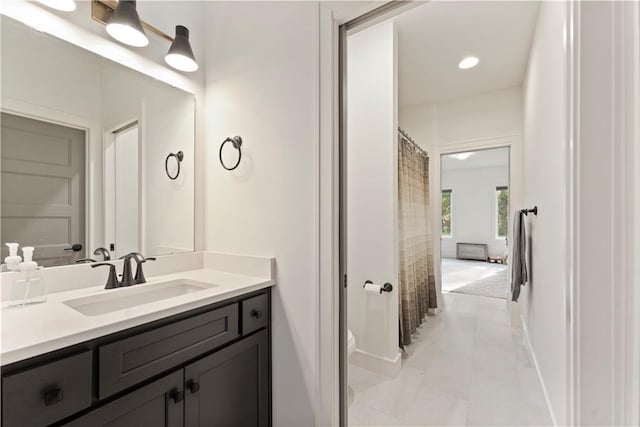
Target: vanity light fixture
(180, 55)
(468, 62)
(62, 5)
(125, 26)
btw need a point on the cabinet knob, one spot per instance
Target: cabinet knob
(194, 386)
(51, 397)
(256, 313)
(176, 395)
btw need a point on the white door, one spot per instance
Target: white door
(43, 186)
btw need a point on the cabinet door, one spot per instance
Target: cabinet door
(231, 387)
(159, 404)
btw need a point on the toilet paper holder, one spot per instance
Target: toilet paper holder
(387, 287)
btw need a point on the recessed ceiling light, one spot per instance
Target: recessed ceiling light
(462, 156)
(63, 5)
(468, 62)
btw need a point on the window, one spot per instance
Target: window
(446, 213)
(502, 211)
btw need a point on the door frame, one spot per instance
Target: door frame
(93, 144)
(603, 75)
(109, 137)
(514, 145)
(332, 335)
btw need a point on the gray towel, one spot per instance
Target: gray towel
(519, 263)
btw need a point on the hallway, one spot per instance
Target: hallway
(466, 367)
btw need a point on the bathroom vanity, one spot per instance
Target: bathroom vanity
(201, 357)
(100, 163)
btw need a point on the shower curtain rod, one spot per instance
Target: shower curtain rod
(406, 136)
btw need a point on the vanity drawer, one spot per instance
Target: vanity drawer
(255, 313)
(47, 393)
(131, 360)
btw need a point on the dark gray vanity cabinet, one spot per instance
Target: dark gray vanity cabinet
(230, 387)
(208, 367)
(157, 404)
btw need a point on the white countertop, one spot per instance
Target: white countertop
(40, 328)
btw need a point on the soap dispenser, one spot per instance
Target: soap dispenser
(29, 286)
(13, 259)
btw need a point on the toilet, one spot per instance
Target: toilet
(351, 342)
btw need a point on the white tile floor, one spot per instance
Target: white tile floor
(466, 367)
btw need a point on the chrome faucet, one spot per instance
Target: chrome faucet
(127, 277)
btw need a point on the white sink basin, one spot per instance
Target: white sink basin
(133, 296)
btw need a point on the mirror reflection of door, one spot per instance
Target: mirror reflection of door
(43, 189)
(122, 174)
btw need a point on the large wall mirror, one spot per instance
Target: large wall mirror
(97, 159)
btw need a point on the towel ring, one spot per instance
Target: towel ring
(236, 141)
(179, 156)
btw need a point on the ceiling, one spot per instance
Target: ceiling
(495, 157)
(433, 38)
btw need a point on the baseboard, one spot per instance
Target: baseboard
(532, 357)
(381, 365)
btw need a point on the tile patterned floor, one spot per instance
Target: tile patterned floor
(466, 367)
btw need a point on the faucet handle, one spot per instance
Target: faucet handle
(112, 280)
(139, 272)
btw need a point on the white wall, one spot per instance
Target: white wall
(473, 208)
(372, 201)
(262, 83)
(485, 116)
(33, 62)
(545, 150)
(488, 115)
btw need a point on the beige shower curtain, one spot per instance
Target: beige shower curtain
(417, 280)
